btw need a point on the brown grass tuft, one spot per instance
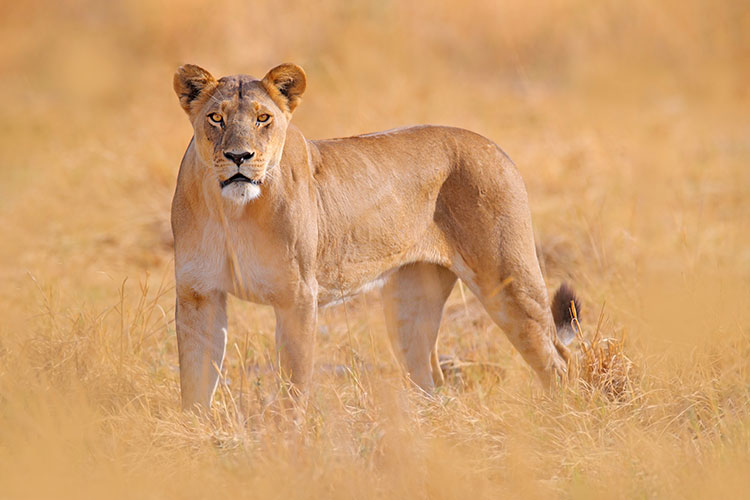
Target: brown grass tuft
(602, 367)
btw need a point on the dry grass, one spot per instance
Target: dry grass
(630, 123)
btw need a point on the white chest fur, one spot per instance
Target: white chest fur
(226, 259)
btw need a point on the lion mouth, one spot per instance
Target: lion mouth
(238, 177)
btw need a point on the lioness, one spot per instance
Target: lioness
(271, 217)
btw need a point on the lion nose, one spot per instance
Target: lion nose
(238, 158)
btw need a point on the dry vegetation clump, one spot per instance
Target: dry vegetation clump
(601, 367)
(629, 122)
(605, 369)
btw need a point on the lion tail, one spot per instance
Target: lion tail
(565, 308)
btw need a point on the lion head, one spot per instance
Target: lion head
(239, 124)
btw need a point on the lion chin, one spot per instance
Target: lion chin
(240, 192)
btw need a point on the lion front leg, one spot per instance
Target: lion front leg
(201, 321)
(295, 342)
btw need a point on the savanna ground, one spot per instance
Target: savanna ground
(630, 122)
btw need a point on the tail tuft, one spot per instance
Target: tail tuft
(564, 300)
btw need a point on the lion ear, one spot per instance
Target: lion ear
(285, 84)
(189, 83)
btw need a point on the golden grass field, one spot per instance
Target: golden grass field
(630, 122)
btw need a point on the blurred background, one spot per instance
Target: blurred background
(630, 122)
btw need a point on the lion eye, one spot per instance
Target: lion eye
(216, 118)
(263, 118)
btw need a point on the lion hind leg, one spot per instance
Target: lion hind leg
(413, 300)
(437, 372)
(519, 305)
